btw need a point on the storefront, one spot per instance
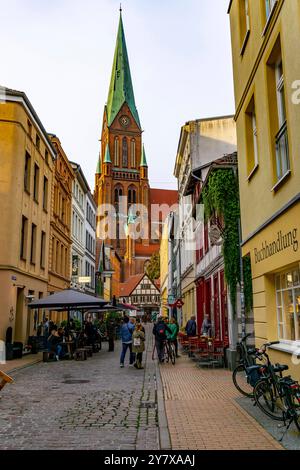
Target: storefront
(211, 293)
(275, 263)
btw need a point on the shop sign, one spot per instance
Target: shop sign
(280, 244)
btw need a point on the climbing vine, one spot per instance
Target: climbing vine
(248, 293)
(221, 198)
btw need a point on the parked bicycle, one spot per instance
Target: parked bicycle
(277, 396)
(247, 373)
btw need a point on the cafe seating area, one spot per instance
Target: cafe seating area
(209, 352)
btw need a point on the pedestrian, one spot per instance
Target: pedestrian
(138, 345)
(206, 326)
(174, 327)
(126, 337)
(159, 330)
(111, 333)
(191, 329)
(138, 322)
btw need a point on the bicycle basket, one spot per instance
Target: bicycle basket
(253, 375)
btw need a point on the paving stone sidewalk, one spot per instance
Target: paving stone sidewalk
(110, 409)
(203, 414)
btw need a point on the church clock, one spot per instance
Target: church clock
(124, 121)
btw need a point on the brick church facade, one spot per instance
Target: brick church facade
(122, 172)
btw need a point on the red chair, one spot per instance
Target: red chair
(218, 350)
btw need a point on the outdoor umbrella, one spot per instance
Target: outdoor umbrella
(68, 299)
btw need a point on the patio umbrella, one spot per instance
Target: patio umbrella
(68, 299)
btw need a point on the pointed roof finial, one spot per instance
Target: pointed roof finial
(121, 8)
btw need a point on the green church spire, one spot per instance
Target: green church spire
(121, 90)
(143, 157)
(107, 158)
(98, 169)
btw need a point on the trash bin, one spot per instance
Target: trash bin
(17, 350)
(9, 351)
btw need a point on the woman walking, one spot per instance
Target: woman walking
(138, 346)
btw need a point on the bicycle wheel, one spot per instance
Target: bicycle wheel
(239, 378)
(172, 353)
(267, 400)
(166, 352)
(295, 404)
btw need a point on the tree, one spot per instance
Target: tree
(153, 268)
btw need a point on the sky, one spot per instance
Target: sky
(60, 53)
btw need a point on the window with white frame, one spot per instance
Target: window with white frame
(269, 7)
(254, 132)
(282, 153)
(288, 304)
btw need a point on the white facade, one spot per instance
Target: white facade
(79, 192)
(90, 242)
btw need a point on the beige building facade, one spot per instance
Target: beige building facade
(26, 168)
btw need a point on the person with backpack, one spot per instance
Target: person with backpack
(160, 331)
(126, 337)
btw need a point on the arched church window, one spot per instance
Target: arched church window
(117, 161)
(124, 153)
(133, 159)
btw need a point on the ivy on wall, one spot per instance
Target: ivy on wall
(221, 197)
(248, 292)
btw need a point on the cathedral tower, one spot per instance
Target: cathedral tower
(122, 167)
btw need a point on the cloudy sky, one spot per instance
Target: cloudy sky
(60, 54)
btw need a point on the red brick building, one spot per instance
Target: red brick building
(122, 171)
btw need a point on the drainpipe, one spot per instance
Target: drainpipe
(242, 295)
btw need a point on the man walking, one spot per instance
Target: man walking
(126, 337)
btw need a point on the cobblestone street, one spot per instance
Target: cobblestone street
(96, 405)
(110, 408)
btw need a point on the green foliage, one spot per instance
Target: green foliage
(221, 197)
(248, 293)
(153, 268)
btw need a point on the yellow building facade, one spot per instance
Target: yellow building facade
(266, 65)
(26, 167)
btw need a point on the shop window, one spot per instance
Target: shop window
(288, 304)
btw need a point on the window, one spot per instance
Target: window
(251, 138)
(33, 244)
(24, 234)
(27, 172)
(37, 141)
(29, 125)
(133, 159)
(288, 304)
(269, 7)
(36, 178)
(244, 23)
(117, 160)
(277, 115)
(124, 153)
(282, 153)
(45, 193)
(47, 157)
(43, 249)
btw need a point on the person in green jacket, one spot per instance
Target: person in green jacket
(174, 327)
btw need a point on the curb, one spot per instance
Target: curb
(16, 369)
(164, 435)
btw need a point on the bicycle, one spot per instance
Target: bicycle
(169, 352)
(276, 396)
(246, 374)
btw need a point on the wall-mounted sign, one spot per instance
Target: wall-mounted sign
(84, 280)
(273, 247)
